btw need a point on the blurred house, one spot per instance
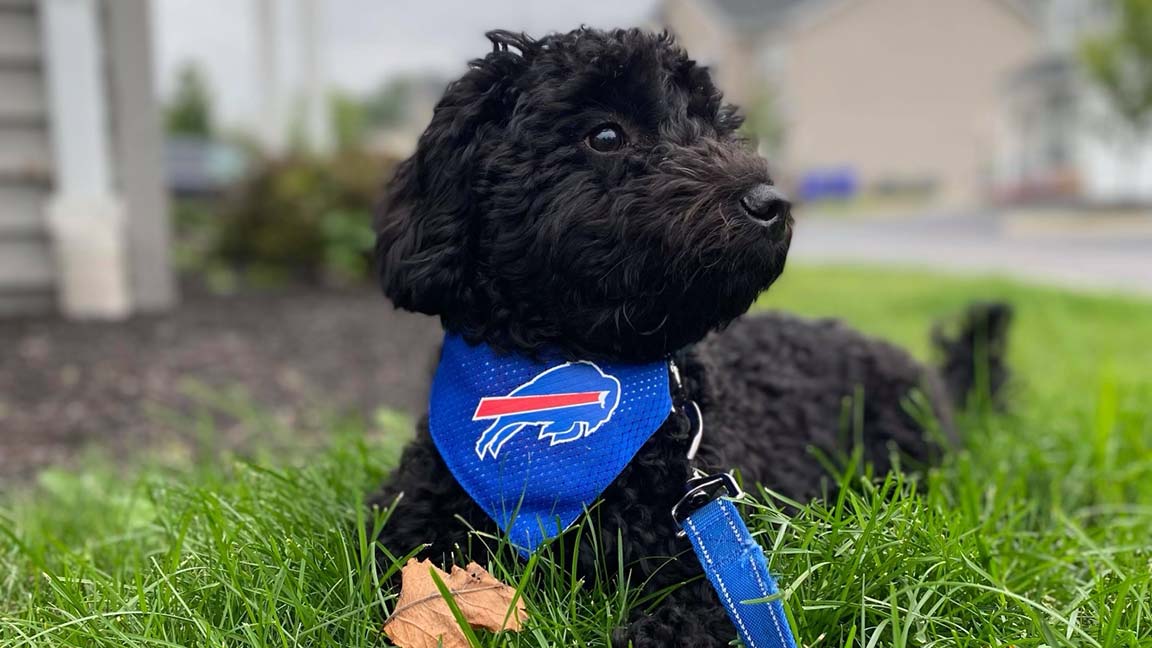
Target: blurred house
(1062, 142)
(400, 112)
(896, 97)
(83, 214)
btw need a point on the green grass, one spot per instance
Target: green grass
(1038, 534)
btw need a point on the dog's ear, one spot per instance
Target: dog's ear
(423, 224)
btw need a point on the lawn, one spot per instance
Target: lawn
(1038, 534)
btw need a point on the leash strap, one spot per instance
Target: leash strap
(733, 561)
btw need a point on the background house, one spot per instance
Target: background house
(399, 110)
(737, 38)
(1062, 142)
(83, 212)
(958, 103)
(873, 96)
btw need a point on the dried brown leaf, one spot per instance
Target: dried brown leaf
(422, 618)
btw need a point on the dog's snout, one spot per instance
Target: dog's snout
(765, 203)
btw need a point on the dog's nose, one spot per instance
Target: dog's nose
(765, 203)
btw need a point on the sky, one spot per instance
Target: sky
(364, 41)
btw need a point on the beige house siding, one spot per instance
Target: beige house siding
(902, 90)
(732, 56)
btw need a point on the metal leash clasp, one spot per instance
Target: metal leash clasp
(691, 410)
(702, 490)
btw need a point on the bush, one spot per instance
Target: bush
(300, 218)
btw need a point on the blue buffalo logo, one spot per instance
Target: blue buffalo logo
(567, 402)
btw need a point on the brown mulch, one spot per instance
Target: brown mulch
(152, 381)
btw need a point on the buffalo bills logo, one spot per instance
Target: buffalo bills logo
(567, 402)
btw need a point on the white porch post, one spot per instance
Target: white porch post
(85, 217)
(318, 125)
(272, 129)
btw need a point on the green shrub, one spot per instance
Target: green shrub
(301, 218)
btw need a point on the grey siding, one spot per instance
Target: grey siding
(19, 35)
(22, 98)
(27, 262)
(20, 207)
(27, 270)
(24, 149)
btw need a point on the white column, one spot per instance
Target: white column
(85, 217)
(272, 129)
(318, 125)
(138, 140)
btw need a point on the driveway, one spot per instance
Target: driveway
(1068, 251)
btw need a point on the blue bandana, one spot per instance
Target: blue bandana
(536, 442)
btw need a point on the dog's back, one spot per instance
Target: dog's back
(783, 386)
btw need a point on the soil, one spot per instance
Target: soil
(217, 365)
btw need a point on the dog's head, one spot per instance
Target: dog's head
(586, 190)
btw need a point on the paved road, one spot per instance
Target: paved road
(1064, 253)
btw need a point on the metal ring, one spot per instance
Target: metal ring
(694, 447)
(703, 490)
(675, 374)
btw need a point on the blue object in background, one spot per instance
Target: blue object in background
(198, 166)
(834, 183)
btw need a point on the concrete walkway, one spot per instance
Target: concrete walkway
(1069, 252)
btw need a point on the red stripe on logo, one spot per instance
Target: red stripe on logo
(497, 406)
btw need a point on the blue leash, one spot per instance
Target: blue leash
(733, 562)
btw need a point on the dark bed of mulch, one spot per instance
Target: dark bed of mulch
(297, 357)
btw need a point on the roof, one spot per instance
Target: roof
(1050, 70)
(756, 16)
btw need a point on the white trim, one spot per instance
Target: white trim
(138, 152)
(85, 217)
(74, 59)
(91, 256)
(272, 129)
(312, 51)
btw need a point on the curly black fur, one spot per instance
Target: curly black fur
(973, 360)
(508, 225)
(512, 230)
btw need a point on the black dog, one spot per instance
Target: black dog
(588, 192)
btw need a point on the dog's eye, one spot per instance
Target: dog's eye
(606, 138)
